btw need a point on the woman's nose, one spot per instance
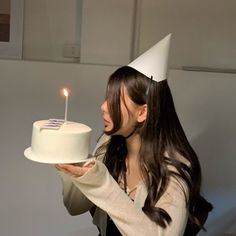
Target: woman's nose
(104, 106)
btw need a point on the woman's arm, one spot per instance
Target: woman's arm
(101, 189)
(74, 200)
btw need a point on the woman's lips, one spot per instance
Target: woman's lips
(106, 122)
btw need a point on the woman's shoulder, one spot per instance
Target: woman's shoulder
(176, 171)
(104, 138)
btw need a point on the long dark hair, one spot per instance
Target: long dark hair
(163, 141)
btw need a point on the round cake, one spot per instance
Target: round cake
(59, 142)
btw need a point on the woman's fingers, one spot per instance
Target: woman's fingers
(74, 170)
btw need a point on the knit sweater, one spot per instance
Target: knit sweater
(98, 187)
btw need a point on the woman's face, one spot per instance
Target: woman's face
(131, 114)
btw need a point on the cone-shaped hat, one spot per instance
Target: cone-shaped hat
(154, 62)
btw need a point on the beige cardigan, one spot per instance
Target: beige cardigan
(98, 187)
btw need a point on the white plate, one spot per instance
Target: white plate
(31, 156)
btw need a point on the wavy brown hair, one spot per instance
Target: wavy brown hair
(161, 133)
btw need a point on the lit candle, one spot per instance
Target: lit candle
(66, 93)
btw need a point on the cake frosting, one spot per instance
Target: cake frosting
(65, 142)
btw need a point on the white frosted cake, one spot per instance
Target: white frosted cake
(55, 142)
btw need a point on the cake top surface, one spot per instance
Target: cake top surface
(66, 127)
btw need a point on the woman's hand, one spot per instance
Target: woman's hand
(75, 170)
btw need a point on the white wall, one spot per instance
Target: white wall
(203, 31)
(48, 26)
(31, 202)
(107, 31)
(101, 29)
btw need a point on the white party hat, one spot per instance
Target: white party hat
(154, 62)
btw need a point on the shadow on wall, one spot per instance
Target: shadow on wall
(215, 149)
(226, 229)
(216, 152)
(230, 227)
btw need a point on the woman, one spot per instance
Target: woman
(146, 179)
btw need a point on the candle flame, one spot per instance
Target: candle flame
(65, 91)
